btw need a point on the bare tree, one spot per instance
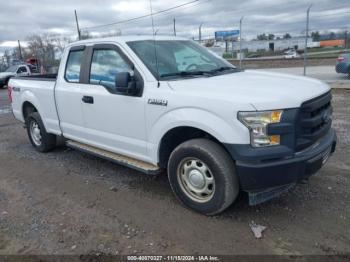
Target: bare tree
(44, 48)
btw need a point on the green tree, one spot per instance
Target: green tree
(271, 36)
(262, 37)
(287, 36)
(315, 36)
(332, 36)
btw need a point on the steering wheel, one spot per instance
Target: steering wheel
(191, 66)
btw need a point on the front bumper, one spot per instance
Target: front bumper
(272, 176)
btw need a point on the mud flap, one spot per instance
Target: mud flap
(256, 198)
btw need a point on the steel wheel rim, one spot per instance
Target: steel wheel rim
(35, 133)
(196, 180)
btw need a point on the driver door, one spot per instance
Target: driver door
(113, 121)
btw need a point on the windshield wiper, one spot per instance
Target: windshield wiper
(222, 69)
(187, 73)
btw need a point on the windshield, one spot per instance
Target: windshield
(179, 59)
(11, 69)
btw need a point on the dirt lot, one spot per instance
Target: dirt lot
(66, 202)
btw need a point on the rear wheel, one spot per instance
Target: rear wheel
(6, 82)
(40, 139)
(202, 176)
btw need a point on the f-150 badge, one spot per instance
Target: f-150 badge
(158, 102)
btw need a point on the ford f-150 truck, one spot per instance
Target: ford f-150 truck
(167, 103)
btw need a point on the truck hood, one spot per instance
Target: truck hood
(6, 74)
(263, 90)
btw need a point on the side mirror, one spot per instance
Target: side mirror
(125, 83)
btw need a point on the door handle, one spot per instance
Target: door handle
(88, 99)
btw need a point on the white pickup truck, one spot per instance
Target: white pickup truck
(16, 70)
(166, 103)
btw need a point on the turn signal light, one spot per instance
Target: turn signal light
(341, 59)
(275, 140)
(276, 116)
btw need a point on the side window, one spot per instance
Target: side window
(22, 70)
(105, 65)
(72, 73)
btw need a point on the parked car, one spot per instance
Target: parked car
(214, 128)
(290, 54)
(343, 64)
(15, 70)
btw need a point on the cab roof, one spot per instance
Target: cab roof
(125, 39)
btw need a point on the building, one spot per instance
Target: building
(297, 43)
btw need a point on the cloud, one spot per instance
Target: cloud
(19, 18)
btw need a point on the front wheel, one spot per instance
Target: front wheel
(202, 176)
(40, 139)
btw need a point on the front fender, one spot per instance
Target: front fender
(230, 131)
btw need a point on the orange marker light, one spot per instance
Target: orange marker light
(276, 116)
(275, 140)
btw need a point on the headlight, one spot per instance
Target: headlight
(257, 124)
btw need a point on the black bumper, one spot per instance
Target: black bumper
(277, 167)
(2, 82)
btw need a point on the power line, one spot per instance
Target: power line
(168, 12)
(143, 16)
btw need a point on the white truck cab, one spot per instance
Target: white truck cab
(167, 103)
(15, 70)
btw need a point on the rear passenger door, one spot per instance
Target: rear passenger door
(113, 121)
(68, 93)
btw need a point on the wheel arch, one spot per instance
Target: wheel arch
(7, 79)
(176, 136)
(29, 104)
(28, 108)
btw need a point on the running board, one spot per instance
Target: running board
(116, 158)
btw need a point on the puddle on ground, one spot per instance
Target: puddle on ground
(5, 110)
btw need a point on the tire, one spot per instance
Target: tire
(7, 82)
(205, 162)
(40, 139)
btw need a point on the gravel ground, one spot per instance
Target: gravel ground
(67, 202)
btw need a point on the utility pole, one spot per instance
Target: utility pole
(200, 33)
(20, 50)
(78, 29)
(346, 44)
(240, 42)
(306, 37)
(174, 27)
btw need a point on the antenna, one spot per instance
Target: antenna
(154, 43)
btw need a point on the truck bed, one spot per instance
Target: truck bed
(28, 88)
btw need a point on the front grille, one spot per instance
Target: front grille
(314, 121)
